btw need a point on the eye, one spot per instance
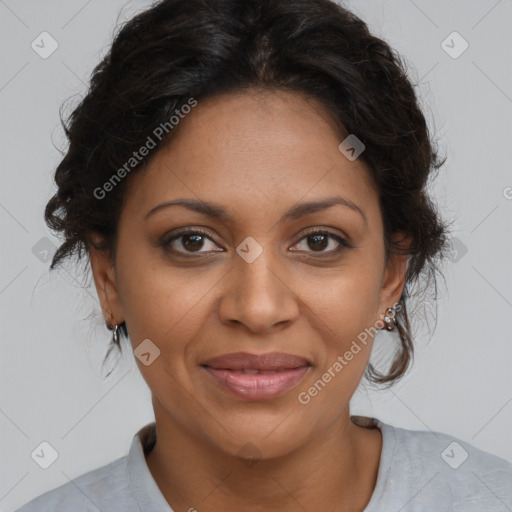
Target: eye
(189, 241)
(192, 241)
(318, 240)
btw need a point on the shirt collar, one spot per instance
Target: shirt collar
(141, 482)
(384, 482)
(150, 498)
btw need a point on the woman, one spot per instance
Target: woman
(248, 180)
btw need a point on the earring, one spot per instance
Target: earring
(389, 318)
(115, 333)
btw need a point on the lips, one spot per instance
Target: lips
(269, 362)
(257, 377)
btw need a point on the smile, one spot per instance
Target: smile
(253, 384)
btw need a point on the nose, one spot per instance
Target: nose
(259, 295)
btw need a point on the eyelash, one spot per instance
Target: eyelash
(166, 241)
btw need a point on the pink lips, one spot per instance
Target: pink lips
(257, 377)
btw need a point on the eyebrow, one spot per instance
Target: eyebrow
(218, 212)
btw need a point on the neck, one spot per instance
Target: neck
(339, 467)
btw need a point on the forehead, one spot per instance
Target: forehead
(253, 150)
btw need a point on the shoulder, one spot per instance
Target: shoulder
(439, 466)
(99, 489)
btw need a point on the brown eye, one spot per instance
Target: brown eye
(189, 241)
(318, 241)
(192, 242)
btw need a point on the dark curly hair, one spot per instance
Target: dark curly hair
(181, 49)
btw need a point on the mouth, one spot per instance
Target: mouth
(257, 377)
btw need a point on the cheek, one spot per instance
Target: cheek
(346, 300)
(163, 303)
(166, 307)
(342, 311)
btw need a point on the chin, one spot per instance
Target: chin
(262, 436)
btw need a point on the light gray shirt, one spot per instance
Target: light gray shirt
(418, 471)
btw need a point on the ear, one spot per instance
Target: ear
(103, 271)
(393, 280)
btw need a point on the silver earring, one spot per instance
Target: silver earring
(115, 333)
(389, 318)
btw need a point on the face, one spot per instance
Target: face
(270, 275)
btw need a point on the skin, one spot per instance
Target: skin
(256, 153)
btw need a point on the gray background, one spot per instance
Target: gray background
(52, 332)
